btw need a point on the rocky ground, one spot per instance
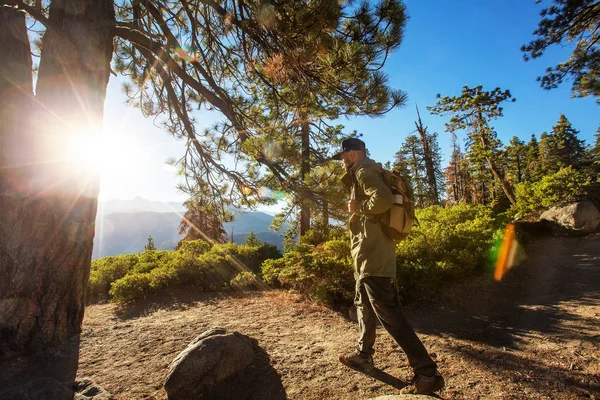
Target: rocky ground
(535, 335)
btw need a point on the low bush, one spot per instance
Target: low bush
(450, 243)
(196, 263)
(245, 281)
(130, 287)
(106, 270)
(324, 272)
(565, 186)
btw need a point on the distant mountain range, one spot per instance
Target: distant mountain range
(123, 226)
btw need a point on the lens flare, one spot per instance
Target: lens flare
(265, 193)
(245, 189)
(187, 55)
(278, 195)
(506, 253)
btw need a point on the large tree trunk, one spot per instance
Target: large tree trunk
(48, 205)
(304, 172)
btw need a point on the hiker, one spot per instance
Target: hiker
(374, 257)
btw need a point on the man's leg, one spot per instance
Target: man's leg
(366, 321)
(361, 358)
(384, 300)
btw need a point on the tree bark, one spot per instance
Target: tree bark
(304, 173)
(498, 175)
(493, 167)
(48, 204)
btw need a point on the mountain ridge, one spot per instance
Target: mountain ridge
(123, 226)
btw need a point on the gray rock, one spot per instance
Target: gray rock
(51, 389)
(577, 218)
(207, 361)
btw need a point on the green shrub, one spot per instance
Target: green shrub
(188, 270)
(194, 247)
(130, 287)
(196, 263)
(245, 257)
(565, 186)
(163, 277)
(324, 272)
(448, 243)
(106, 270)
(245, 281)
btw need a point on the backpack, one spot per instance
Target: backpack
(398, 221)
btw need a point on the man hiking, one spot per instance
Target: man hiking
(374, 257)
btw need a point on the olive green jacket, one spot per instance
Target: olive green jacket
(373, 252)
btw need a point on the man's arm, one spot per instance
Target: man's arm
(380, 197)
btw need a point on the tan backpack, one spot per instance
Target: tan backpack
(398, 221)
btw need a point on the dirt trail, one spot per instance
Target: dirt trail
(535, 335)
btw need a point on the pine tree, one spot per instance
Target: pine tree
(179, 57)
(516, 157)
(532, 159)
(203, 220)
(349, 66)
(458, 179)
(472, 111)
(252, 240)
(596, 149)
(48, 205)
(150, 246)
(409, 161)
(562, 23)
(561, 148)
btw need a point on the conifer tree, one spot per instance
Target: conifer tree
(409, 161)
(532, 160)
(561, 148)
(516, 157)
(596, 148)
(457, 177)
(565, 22)
(203, 220)
(252, 240)
(150, 246)
(179, 57)
(472, 111)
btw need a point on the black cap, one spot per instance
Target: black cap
(349, 144)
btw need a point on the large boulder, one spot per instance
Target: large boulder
(208, 360)
(577, 218)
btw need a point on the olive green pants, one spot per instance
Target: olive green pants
(377, 299)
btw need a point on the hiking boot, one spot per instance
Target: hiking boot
(428, 384)
(356, 361)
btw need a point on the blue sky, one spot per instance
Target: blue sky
(447, 44)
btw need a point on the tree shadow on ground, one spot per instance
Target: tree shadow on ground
(57, 364)
(258, 381)
(532, 375)
(528, 301)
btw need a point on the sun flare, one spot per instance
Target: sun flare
(99, 151)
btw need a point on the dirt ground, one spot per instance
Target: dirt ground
(535, 335)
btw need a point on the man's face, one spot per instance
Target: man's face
(348, 159)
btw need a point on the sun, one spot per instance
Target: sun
(98, 150)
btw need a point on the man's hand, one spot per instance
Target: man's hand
(352, 206)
